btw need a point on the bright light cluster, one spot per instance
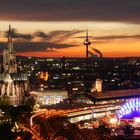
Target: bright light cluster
(130, 106)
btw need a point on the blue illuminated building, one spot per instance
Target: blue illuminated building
(130, 109)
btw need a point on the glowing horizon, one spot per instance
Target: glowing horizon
(113, 39)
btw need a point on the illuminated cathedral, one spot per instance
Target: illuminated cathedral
(13, 84)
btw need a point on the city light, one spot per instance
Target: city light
(129, 107)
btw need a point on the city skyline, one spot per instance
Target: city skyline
(52, 28)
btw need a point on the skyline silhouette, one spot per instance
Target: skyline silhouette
(57, 28)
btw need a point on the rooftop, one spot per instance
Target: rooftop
(117, 94)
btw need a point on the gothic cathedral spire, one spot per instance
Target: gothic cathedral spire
(10, 43)
(9, 59)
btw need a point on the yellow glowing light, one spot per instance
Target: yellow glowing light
(44, 75)
(113, 120)
(137, 120)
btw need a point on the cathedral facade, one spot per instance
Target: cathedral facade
(13, 84)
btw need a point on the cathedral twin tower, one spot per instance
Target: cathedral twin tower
(9, 59)
(13, 84)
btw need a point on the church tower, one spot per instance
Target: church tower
(9, 59)
(14, 85)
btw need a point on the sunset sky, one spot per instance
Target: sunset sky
(57, 27)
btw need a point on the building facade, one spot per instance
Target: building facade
(13, 84)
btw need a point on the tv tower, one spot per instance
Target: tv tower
(87, 43)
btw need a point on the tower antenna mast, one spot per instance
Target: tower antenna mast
(87, 43)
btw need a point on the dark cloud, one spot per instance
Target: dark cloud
(71, 10)
(36, 46)
(105, 39)
(117, 37)
(55, 36)
(24, 42)
(61, 35)
(17, 35)
(41, 34)
(58, 35)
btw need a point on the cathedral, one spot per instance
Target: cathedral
(13, 84)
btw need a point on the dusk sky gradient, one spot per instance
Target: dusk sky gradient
(57, 28)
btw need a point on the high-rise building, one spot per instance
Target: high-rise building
(13, 84)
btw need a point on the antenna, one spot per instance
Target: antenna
(87, 34)
(9, 27)
(87, 43)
